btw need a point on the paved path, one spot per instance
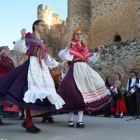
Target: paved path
(97, 128)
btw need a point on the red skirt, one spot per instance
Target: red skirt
(120, 108)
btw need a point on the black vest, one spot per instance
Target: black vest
(130, 81)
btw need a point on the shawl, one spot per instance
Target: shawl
(6, 65)
(78, 51)
(33, 41)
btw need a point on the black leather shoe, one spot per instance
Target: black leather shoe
(70, 125)
(33, 130)
(117, 116)
(24, 124)
(49, 119)
(121, 116)
(80, 125)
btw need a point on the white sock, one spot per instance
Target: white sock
(80, 116)
(121, 114)
(117, 114)
(71, 118)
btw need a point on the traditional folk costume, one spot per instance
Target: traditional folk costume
(82, 88)
(56, 78)
(30, 86)
(134, 98)
(112, 87)
(106, 108)
(118, 105)
(6, 65)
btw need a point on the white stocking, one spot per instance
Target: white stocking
(71, 118)
(80, 116)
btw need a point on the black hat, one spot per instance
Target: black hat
(133, 70)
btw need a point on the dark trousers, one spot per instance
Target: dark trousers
(132, 104)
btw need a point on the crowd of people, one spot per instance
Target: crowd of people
(39, 89)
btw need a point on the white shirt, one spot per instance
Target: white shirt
(66, 56)
(132, 83)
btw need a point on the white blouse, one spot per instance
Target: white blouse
(66, 56)
(21, 48)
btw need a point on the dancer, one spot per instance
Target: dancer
(6, 65)
(82, 88)
(30, 86)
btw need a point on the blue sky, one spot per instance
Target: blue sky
(18, 14)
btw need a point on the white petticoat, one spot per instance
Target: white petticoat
(41, 84)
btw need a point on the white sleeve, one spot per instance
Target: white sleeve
(115, 90)
(20, 46)
(108, 91)
(51, 62)
(127, 87)
(65, 55)
(92, 60)
(111, 87)
(138, 85)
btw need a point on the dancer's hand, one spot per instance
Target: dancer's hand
(101, 49)
(71, 45)
(23, 33)
(65, 69)
(63, 63)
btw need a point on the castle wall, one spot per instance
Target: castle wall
(119, 57)
(109, 17)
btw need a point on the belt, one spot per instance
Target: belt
(78, 61)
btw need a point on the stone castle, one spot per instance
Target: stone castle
(99, 19)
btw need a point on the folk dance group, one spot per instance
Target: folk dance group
(31, 86)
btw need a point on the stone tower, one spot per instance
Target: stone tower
(45, 14)
(54, 28)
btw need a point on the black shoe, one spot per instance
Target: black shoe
(33, 130)
(22, 117)
(105, 116)
(117, 116)
(24, 125)
(80, 125)
(49, 119)
(121, 116)
(70, 125)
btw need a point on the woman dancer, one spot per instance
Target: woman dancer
(6, 65)
(30, 86)
(82, 88)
